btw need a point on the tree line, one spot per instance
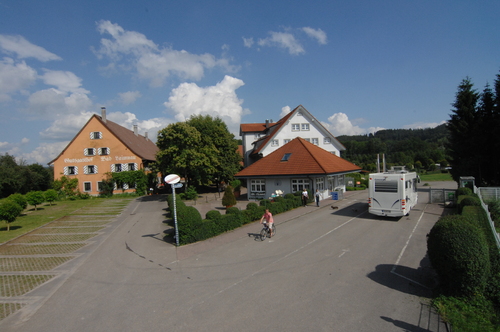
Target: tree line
(414, 148)
(20, 178)
(473, 137)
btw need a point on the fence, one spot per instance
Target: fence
(486, 194)
(441, 195)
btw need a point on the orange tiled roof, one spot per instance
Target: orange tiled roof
(305, 159)
(138, 144)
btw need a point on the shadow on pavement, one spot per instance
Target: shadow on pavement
(419, 282)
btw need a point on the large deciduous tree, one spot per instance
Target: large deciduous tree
(182, 152)
(214, 132)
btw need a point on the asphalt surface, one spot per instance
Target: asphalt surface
(325, 270)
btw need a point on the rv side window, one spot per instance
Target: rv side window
(386, 186)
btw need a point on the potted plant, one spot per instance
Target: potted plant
(228, 199)
(236, 184)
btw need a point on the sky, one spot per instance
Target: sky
(356, 66)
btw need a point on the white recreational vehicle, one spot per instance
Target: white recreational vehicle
(392, 193)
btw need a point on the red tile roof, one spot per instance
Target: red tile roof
(138, 144)
(305, 159)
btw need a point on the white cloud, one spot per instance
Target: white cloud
(284, 40)
(318, 34)
(284, 111)
(54, 104)
(65, 81)
(339, 124)
(218, 101)
(14, 76)
(248, 42)
(422, 125)
(64, 128)
(150, 126)
(24, 49)
(44, 153)
(129, 97)
(134, 51)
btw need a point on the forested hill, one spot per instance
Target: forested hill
(420, 148)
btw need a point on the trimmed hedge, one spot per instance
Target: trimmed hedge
(459, 253)
(192, 228)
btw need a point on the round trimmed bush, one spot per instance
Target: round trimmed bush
(212, 215)
(19, 199)
(459, 253)
(463, 191)
(252, 206)
(265, 202)
(232, 210)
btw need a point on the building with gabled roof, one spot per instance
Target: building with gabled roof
(297, 165)
(260, 139)
(103, 146)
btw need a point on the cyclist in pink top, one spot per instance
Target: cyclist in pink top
(269, 220)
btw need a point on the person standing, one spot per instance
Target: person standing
(305, 197)
(317, 196)
(269, 220)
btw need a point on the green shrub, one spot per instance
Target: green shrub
(228, 199)
(467, 201)
(264, 202)
(20, 200)
(83, 196)
(188, 221)
(463, 191)
(459, 253)
(232, 210)
(213, 215)
(190, 193)
(289, 196)
(252, 206)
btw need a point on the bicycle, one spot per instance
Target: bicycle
(266, 231)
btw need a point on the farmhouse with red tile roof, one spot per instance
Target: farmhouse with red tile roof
(297, 165)
(103, 146)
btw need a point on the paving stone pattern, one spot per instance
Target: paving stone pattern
(31, 260)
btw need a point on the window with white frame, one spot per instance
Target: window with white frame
(258, 186)
(257, 136)
(132, 166)
(95, 135)
(89, 152)
(70, 170)
(327, 140)
(90, 169)
(315, 141)
(295, 126)
(320, 184)
(275, 142)
(87, 186)
(300, 184)
(286, 140)
(307, 139)
(104, 151)
(304, 126)
(116, 167)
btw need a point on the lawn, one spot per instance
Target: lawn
(31, 219)
(435, 176)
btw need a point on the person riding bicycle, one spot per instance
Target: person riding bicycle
(269, 220)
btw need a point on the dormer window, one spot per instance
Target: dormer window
(286, 157)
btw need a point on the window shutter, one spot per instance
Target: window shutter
(112, 168)
(76, 170)
(85, 169)
(125, 186)
(95, 169)
(65, 170)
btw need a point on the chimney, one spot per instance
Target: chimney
(135, 130)
(267, 123)
(146, 136)
(103, 114)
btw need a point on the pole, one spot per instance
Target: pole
(175, 218)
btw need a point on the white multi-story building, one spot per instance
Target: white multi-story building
(260, 139)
